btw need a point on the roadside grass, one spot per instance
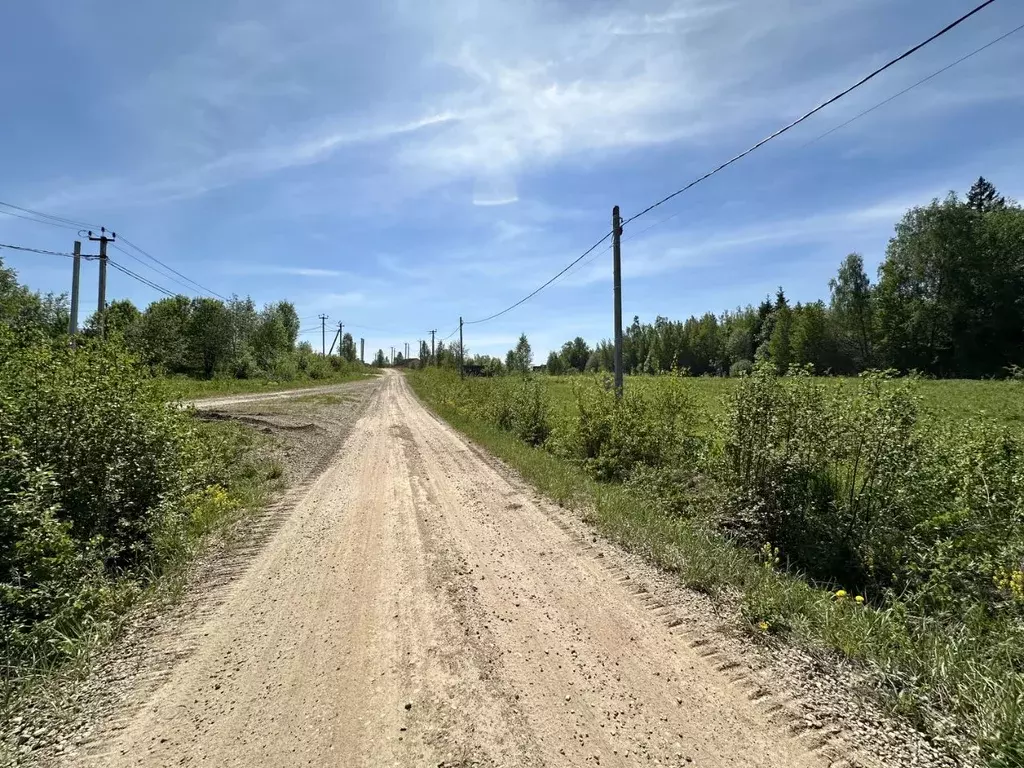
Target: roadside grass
(185, 388)
(249, 475)
(958, 679)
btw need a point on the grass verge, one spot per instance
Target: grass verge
(36, 689)
(185, 388)
(953, 682)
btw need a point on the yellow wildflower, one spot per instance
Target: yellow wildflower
(841, 594)
(859, 599)
(763, 626)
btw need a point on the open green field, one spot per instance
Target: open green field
(950, 400)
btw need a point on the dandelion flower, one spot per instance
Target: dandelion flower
(763, 626)
(841, 594)
(859, 599)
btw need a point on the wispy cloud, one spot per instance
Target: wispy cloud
(273, 269)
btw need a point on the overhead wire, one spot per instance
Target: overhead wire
(874, 73)
(40, 217)
(920, 82)
(529, 296)
(57, 220)
(37, 221)
(154, 259)
(145, 281)
(130, 255)
(858, 116)
(37, 250)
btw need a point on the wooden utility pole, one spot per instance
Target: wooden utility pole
(617, 278)
(323, 335)
(462, 366)
(432, 344)
(362, 350)
(76, 274)
(101, 301)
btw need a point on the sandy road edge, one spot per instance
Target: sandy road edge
(76, 710)
(824, 701)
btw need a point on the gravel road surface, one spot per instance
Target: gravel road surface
(419, 606)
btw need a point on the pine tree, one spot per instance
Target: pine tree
(983, 197)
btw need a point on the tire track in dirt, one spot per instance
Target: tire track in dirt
(417, 607)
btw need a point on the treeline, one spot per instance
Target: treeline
(948, 301)
(196, 337)
(207, 337)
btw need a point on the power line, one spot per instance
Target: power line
(37, 250)
(140, 278)
(922, 81)
(529, 296)
(37, 221)
(64, 222)
(746, 152)
(153, 258)
(814, 111)
(184, 285)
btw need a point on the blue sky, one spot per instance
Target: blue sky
(397, 164)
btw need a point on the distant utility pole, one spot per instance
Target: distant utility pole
(617, 277)
(462, 367)
(101, 303)
(432, 344)
(323, 335)
(362, 350)
(335, 340)
(76, 273)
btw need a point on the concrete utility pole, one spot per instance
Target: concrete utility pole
(432, 344)
(323, 335)
(101, 302)
(362, 350)
(76, 273)
(335, 340)
(462, 367)
(617, 277)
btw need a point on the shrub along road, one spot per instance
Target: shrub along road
(420, 606)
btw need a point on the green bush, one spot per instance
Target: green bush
(740, 368)
(98, 481)
(613, 437)
(824, 474)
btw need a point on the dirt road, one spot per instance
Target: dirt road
(420, 607)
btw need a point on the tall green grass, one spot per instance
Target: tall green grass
(874, 519)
